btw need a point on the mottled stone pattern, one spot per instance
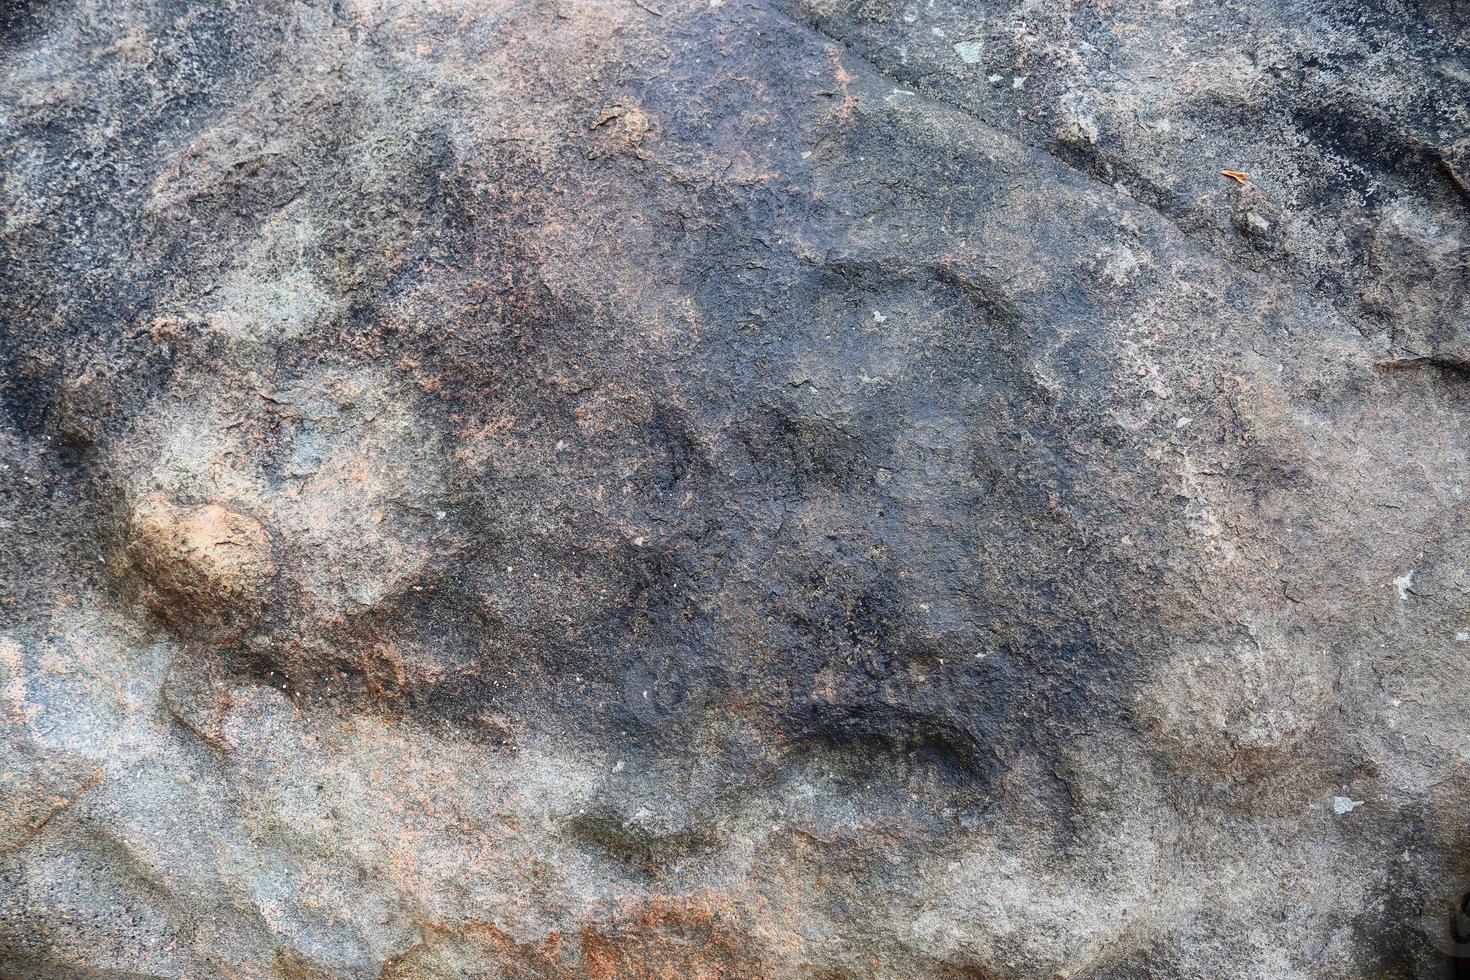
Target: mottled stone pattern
(734, 489)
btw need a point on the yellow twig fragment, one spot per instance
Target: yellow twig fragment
(1239, 176)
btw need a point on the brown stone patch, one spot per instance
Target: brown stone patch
(199, 565)
(677, 938)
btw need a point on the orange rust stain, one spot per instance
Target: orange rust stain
(675, 938)
(843, 78)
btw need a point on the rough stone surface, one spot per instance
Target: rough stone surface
(734, 488)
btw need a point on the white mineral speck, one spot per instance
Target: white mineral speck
(969, 51)
(1404, 583)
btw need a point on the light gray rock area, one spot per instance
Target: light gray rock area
(695, 489)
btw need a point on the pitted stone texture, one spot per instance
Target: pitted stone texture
(625, 489)
(349, 478)
(1238, 708)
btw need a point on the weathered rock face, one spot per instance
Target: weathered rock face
(559, 488)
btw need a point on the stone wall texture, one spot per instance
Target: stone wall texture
(703, 489)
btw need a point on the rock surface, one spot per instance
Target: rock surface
(734, 488)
